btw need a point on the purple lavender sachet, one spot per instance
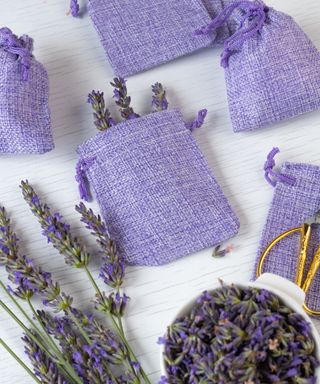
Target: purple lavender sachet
(138, 35)
(272, 68)
(154, 187)
(25, 125)
(296, 198)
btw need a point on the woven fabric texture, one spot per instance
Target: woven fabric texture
(156, 191)
(138, 35)
(25, 125)
(274, 76)
(290, 208)
(214, 7)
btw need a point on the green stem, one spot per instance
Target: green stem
(45, 335)
(87, 338)
(79, 325)
(118, 327)
(15, 302)
(23, 365)
(67, 368)
(27, 331)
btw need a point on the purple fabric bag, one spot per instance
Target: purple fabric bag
(138, 35)
(272, 68)
(155, 189)
(296, 198)
(24, 111)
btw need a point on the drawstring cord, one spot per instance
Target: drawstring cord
(198, 121)
(74, 8)
(273, 177)
(255, 15)
(82, 167)
(22, 47)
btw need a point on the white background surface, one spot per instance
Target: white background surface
(71, 52)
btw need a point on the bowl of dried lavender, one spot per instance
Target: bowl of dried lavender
(253, 333)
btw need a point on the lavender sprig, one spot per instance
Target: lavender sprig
(102, 115)
(159, 100)
(240, 335)
(93, 362)
(44, 367)
(57, 232)
(101, 345)
(22, 271)
(120, 94)
(112, 270)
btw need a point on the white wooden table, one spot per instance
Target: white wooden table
(76, 63)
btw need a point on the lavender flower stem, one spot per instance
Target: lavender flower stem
(44, 336)
(119, 328)
(26, 330)
(24, 313)
(18, 360)
(64, 365)
(80, 328)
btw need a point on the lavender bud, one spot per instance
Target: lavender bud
(102, 116)
(120, 94)
(159, 100)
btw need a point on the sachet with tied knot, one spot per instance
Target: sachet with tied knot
(272, 68)
(25, 125)
(296, 198)
(155, 189)
(138, 35)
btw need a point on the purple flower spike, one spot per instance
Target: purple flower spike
(102, 115)
(57, 232)
(120, 94)
(112, 270)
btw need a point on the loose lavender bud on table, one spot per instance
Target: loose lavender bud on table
(238, 335)
(122, 99)
(102, 115)
(159, 100)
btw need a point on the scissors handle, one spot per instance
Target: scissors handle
(304, 243)
(312, 271)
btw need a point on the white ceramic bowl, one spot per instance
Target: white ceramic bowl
(290, 293)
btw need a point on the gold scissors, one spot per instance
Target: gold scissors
(305, 234)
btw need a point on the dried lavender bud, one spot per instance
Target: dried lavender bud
(120, 94)
(221, 252)
(114, 303)
(112, 270)
(159, 100)
(102, 115)
(44, 368)
(57, 232)
(240, 335)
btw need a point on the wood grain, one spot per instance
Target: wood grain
(76, 63)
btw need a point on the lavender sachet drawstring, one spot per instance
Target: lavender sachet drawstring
(254, 18)
(81, 177)
(198, 121)
(74, 8)
(22, 47)
(272, 176)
